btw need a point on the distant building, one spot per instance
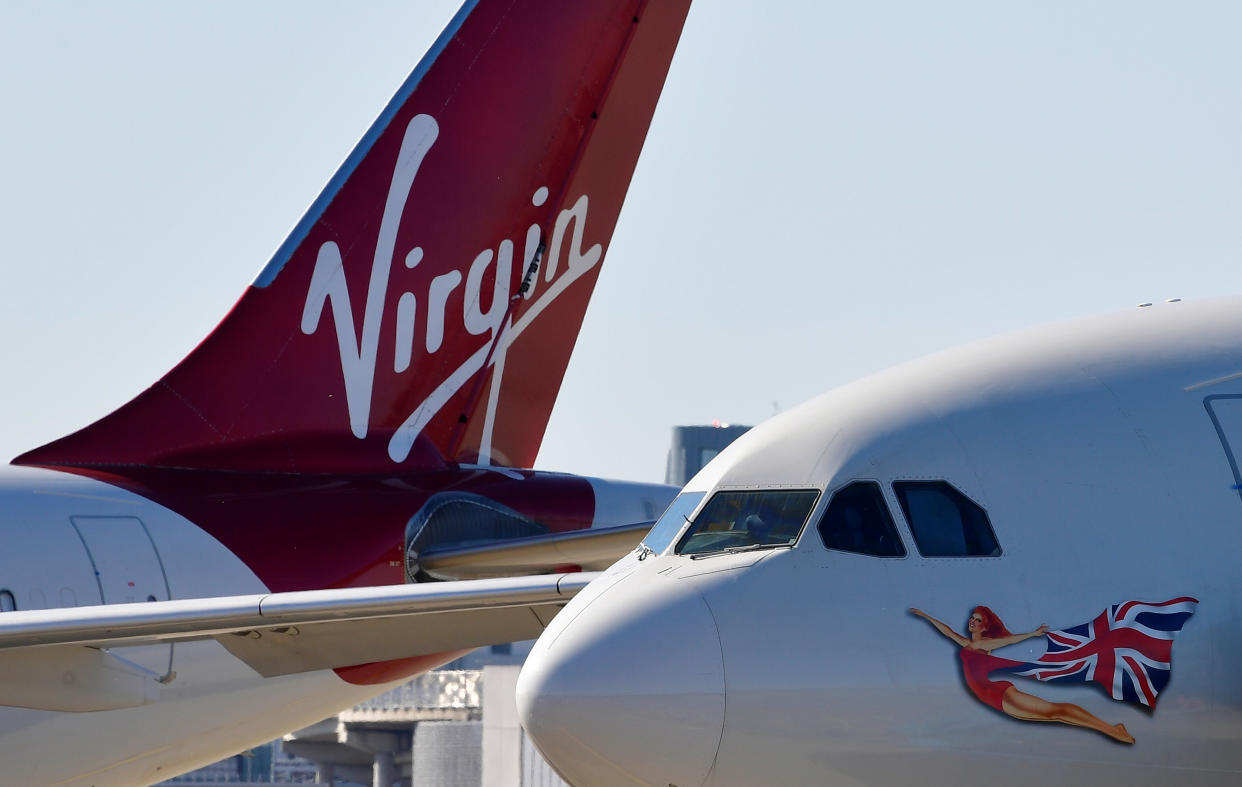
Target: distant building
(447, 728)
(695, 446)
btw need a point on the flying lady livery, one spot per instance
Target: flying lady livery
(318, 476)
(771, 627)
(246, 546)
(1127, 649)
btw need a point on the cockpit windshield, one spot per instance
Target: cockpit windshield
(742, 520)
(672, 521)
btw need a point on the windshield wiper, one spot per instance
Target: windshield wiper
(737, 550)
(754, 548)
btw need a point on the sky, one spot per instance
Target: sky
(827, 189)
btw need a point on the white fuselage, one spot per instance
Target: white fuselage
(1104, 455)
(74, 541)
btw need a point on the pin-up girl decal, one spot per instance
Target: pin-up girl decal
(1127, 649)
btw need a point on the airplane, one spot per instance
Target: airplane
(1014, 561)
(331, 493)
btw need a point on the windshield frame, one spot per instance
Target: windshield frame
(774, 517)
(666, 530)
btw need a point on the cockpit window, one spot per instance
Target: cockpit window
(945, 522)
(857, 520)
(672, 521)
(740, 520)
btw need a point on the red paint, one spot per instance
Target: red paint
(378, 672)
(515, 95)
(305, 532)
(250, 435)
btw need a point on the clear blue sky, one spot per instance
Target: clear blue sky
(828, 188)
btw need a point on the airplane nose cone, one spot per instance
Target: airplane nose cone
(627, 687)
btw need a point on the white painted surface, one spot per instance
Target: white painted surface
(1091, 450)
(631, 688)
(626, 503)
(215, 706)
(128, 570)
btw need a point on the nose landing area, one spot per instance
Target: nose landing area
(631, 691)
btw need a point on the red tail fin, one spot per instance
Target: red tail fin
(426, 306)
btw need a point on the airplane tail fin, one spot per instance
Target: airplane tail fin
(424, 309)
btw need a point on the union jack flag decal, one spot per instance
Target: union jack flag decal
(1128, 649)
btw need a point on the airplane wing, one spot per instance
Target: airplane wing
(58, 659)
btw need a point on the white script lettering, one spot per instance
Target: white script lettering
(359, 357)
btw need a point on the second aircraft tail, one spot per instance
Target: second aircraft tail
(425, 308)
